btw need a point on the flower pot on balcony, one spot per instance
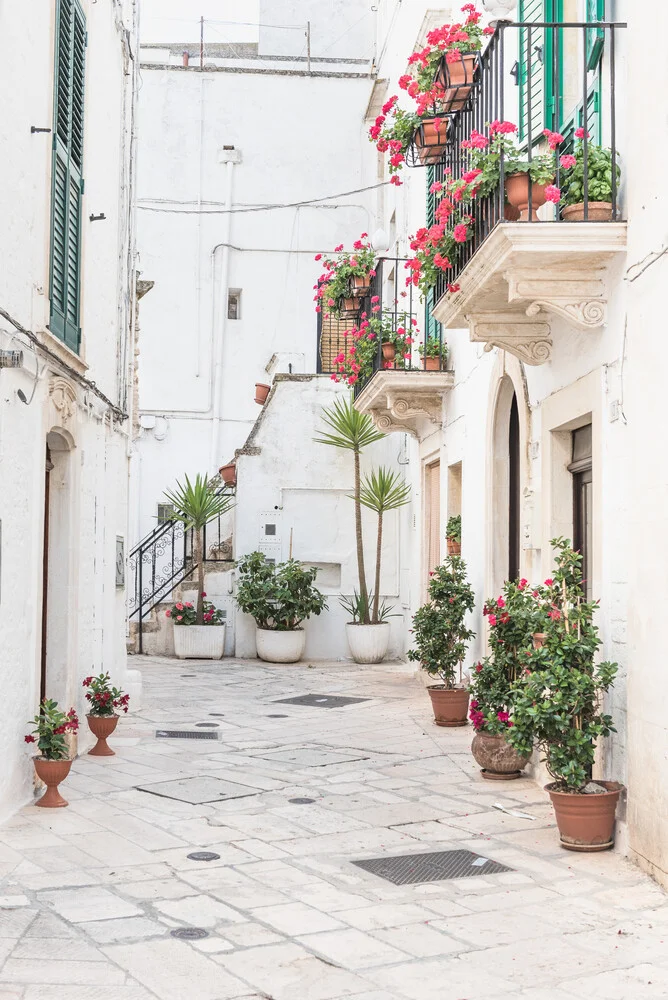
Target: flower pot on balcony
(389, 351)
(497, 759)
(586, 821)
(261, 393)
(517, 192)
(350, 306)
(199, 642)
(457, 79)
(432, 364)
(510, 213)
(102, 726)
(280, 647)
(368, 643)
(229, 474)
(454, 547)
(450, 705)
(52, 772)
(597, 211)
(431, 139)
(361, 284)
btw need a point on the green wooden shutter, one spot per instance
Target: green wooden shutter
(595, 36)
(67, 177)
(431, 326)
(545, 90)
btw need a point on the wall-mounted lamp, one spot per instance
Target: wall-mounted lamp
(538, 49)
(11, 359)
(97, 218)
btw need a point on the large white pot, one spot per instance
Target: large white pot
(199, 642)
(368, 643)
(280, 647)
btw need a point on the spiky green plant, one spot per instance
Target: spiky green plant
(381, 491)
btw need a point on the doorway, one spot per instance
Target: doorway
(432, 517)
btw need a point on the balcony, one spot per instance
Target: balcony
(516, 278)
(401, 388)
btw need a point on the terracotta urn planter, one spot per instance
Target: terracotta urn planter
(261, 393)
(229, 474)
(498, 760)
(597, 211)
(102, 726)
(52, 772)
(586, 821)
(389, 351)
(431, 141)
(517, 192)
(511, 214)
(361, 284)
(458, 80)
(450, 705)
(454, 547)
(432, 364)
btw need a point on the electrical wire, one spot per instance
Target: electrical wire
(159, 205)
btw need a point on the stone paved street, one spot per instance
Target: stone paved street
(91, 893)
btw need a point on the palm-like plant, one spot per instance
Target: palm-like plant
(351, 430)
(381, 491)
(195, 504)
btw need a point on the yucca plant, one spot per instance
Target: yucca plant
(194, 505)
(381, 491)
(352, 431)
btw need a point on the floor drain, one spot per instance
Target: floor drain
(278, 716)
(188, 675)
(206, 725)
(301, 802)
(183, 734)
(189, 933)
(203, 856)
(216, 715)
(320, 700)
(409, 869)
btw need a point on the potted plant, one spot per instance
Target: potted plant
(369, 631)
(557, 705)
(441, 638)
(198, 634)
(458, 46)
(228, 473)
(279, 597)
(261, 392)
(434, 354)
(453, 535)
(346, 278)
(599, 182)
(436, 248)
(102, 719)
(53, 764)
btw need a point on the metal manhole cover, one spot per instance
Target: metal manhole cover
(320, 700)
(206, 725)
(203, 856)
(198, 790)
(189, 933)
(183, 734)
(312, 757)
(301, 801)
(408, 869)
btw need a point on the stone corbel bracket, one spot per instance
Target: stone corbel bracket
(529, 339)
(410, 402)
(578, 299)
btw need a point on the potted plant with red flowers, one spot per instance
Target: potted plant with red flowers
(103, 698)
(456, 50)
(453, 535)
(557, 703)
(346, 278)
(598, 185)
(53, 764)
(436, 248)
(441, 638)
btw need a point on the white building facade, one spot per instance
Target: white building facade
(66, 323)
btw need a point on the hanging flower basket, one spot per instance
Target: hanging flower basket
(431, 140)
(456, 75)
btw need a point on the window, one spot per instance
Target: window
(581, 470)
(234, 303)
(67, 177)
(165, 511)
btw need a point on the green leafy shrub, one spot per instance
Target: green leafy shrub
(279, 597)
(439, 632)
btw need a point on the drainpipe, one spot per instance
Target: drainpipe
(228, 155)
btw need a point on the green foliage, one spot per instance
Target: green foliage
(340, 271)
(195, 504)
(50, 726)
(599, 175)
(358, 610)
(184, 613)
(434, 348)
(103, 697)
(383, 490)
(348, 428)
(439, 632)
(453, 528)
(557, 697)
(279, 597)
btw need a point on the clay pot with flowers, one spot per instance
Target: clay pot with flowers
(598, 185)
(346, 279)
(557, 704)
(103, 698)
(437, 248)
(453, 535)
(441, 637)
(434, 354)
(51, 727)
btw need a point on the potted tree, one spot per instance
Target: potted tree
(279, 597)
(441, 638)
(200, 635)
(557, 705)
(599, 182)
(453, 535)
(54, 763)
(102, 719)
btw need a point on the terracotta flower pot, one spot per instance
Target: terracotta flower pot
(389, 351)
(597, 211)
(539, 639)
(350, 306)
(454, 547)
(261, 393)
(361, 284)
(458, 79)
(510, 213)
(498, 760)
(432, 364)
(102, 726)
(431, 141)
(229, 474)
(52, 772)
(517, 191)
(586, 822)
(450, 705)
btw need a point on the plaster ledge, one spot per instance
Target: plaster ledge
(407, 401)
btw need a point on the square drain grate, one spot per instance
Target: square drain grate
(408, 869)
(307, 757)
(198, 790)
(184, 734)
(320, 700)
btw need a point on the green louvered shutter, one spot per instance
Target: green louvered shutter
(67, 176)
(432, 327)
(538, 70)
(595, 36)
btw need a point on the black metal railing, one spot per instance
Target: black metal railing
(407, 338)
(566, 76)
(164, 558)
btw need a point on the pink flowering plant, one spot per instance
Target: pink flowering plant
(50, 728)
(336, 281)
(440, 633)
(599, 172)
(486, 151)
(103, 697)
(185, 613)
(355, 361)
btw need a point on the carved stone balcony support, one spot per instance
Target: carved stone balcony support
(524, 274)
(408, 401)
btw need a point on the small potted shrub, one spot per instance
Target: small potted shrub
(599, 182)
(102, 719)
(557, 705)
(434, 354)
(198, 633)
(279, 597)
(453, 535)
(441, 638)
(53, 764)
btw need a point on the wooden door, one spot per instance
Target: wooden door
(433, 516)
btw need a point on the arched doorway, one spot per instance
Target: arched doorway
(505, 521)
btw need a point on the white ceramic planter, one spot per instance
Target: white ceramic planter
(368, 643)
(199, 642)
(280, 647)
